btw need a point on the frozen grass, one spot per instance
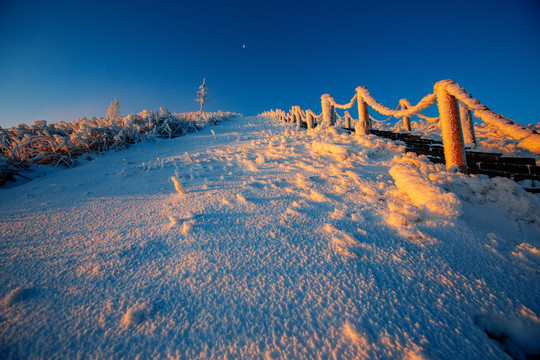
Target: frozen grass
(61, 143)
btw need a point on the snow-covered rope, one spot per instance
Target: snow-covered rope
(429, 119)
(426, 102)
(385, 120)
(380, 121)
(341, 106)
(529, 139)
(318, 117)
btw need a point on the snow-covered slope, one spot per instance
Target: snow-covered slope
(282, 244)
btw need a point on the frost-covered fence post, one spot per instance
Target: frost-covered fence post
(467, 124)
(298, 113)
(309, 120)
(327, 110)
(406, 120)
(454, 149)
(364, 123)
(348, 118)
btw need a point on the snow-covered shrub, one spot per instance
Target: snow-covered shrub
(61, 143)
(113, 112)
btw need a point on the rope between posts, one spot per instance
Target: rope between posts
(341, 106)
(407, 104)
(426, 102)
(313, 114)
(429, 119)
(380, 121)
(481, 111)
(385, 120)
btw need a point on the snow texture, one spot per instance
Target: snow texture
(286, 244)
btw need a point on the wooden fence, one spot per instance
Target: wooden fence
(456, 109)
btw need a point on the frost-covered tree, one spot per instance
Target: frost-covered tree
(202, 94)
(113, 113)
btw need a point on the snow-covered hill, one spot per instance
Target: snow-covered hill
(285, 244)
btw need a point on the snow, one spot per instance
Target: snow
(423, 193)
(285, 244)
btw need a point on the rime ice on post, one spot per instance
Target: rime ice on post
(406, 122)
(202, 94)
(454, 149)
(328, 110)
(467, 124)
(363, 115)
(310, 120)
(348, 119)
(298, 116)
(113, 113)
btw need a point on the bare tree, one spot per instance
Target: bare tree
(202, 94)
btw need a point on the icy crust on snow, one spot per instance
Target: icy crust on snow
(281, 244)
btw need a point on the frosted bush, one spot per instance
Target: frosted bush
(113, 112)
(62, 143)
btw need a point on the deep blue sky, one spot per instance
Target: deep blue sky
(60, 60)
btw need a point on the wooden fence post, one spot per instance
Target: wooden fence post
(364, 123)
(454, 149)
(347, 120)
(298, 113)
(309, 120)
(406, 120)
(467, 124)
(328, 110)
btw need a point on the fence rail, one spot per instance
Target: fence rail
(456, 109)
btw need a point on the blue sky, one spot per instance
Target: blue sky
(66, 59)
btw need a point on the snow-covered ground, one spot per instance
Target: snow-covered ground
(279, 244)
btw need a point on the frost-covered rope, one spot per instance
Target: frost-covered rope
(380, 121)
(530, 139)
(341, 106)
(429, 119)
(426, 102)
(314, 115)
(385, 120)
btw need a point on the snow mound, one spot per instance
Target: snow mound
(339, 151)
(411, 177)
(137, 314)
(504, 194)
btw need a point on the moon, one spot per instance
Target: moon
(244, 46)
